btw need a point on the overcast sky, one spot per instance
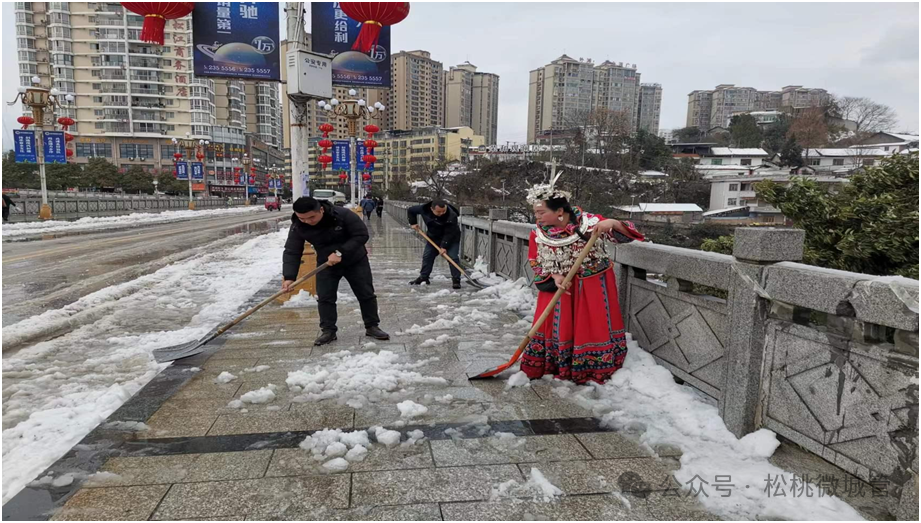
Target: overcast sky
(855, 49)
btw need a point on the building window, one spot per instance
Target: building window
(746, 161)
(868, 162)
(731, 202)
(815, 161)
(716, 161)
(90, 150)
(838, 161)
(746, 187)
(733, 187)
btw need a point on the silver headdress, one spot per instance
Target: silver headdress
(547, 191)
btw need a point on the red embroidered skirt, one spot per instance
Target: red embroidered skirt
(583, 339)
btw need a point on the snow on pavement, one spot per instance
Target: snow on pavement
(94, 223)
(57, 391)
(642, 396)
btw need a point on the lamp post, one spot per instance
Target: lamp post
(39, 100)
(352, 111)
(246, 163)
(189, 146)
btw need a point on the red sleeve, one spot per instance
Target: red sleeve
(539, 273)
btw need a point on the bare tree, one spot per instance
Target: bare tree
(810, 129)
(869, 116)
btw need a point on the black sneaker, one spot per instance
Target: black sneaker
(420, 280)
(325, 337)
(455, 283)
(376, 333)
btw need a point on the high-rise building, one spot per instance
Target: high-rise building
(563, 93)
(649, 108)
(131, 98)
(472, 100)
(713, 108)
(417, 93)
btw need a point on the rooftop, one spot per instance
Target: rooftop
(729, 151)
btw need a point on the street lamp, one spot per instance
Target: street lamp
(189, 145)
(246, 163)
(40, 99)
(353, 111)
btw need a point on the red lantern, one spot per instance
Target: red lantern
(370, 144)
(371, 128)
(68, 137)
(155, 16)
(327, 128)
(368, 159)
(366, 177)
(325, 160)
(252, 180)
(325, 143)
(342, 178)
(200, 155)
(373, 17)
(66, 122)
(177, 155)
(69, 152)
(26, 121)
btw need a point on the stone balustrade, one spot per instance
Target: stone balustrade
(825, 358)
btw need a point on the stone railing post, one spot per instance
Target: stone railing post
(749, 305)
(465, 210)
(494, 214)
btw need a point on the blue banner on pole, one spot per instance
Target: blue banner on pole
(53, 145)
(182, 171)
(237, 40)
(341, 155)
(362, 152)
(332, 33)
(24, 144)
(198, 171)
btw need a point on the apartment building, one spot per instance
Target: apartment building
(472, 100)
(417, 93)
(713, 108)
(649, 108)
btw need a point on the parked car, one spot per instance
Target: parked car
(273, 203)
(333, 197)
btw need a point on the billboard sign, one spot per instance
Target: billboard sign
(333, 33)
(182, 171)
(24, 142)
(54, 147)
(341, 155)
(237, 40)
(198, 171)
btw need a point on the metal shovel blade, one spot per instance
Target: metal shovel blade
(177, 352)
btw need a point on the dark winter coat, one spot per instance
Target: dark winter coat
(340, 230)
(443, 230)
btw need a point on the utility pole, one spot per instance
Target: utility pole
(298, 107)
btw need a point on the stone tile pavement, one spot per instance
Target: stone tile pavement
(201, 459)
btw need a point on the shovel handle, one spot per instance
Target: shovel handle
(269, 300)
(444, 255)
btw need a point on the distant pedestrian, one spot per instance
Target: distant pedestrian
(367, 207)
(7, 203)
(380, 207)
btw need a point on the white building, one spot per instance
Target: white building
(721, 161)
(661, 212)
(891, 141)
(843, 161)
(730, 194)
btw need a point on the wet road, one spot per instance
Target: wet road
(55, 270)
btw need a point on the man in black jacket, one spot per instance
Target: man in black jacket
(441, 221)
(339, 236)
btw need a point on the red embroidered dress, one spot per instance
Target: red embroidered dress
(583, 339)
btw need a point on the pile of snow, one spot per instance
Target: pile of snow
(507, 441)
(440, 340)
(643, 397)
(302, 299)
(262, 395)
(116, 222)
(409, 409)
(257, 368)
(413, 437)
(224, 377)
(481, 273)
(127, 426)
(519, 379)
(358, 377)
(537, 488)
(57, 391)
(508, 295)
(390, 438)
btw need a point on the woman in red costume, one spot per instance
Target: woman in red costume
(583, 339)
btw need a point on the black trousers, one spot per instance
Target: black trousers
(362, 284)
(380, 210)
(429, 255)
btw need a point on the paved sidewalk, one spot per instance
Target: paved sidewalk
(205, 456)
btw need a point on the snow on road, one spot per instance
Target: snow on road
(98, 223)
(57, 391)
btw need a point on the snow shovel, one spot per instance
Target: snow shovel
(470, 280)
(192, 348)
(544, 315)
